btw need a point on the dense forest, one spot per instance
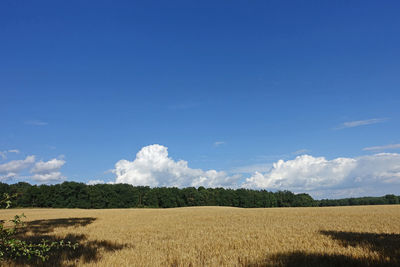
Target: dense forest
(102, 196)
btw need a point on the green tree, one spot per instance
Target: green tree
(303, 200)
(392, 199)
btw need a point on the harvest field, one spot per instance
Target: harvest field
(222, 236)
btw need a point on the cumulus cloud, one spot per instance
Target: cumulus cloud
(47, 177)
(266, 159)
(48, 166)
(14, 167)
(340, 177)
(153, 167)
(42, 171)
(351, 124)
(376, 174)
(47, 171)
(386, 147)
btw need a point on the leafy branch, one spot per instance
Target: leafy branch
(12, 248)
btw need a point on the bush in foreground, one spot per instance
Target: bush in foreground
(13, 248)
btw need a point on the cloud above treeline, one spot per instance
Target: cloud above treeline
(45, 171)
(366, 175)
(153, 167)
(341, 177)
(376, 174)
(12, 168)
(41, 171)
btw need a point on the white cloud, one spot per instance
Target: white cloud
(153, 167)
(36, 123)
(351, 124)
(264, 167)
(386, 147)
(377, 174)
(42, 171)
(219, 143)
(341, 177)
(3, 154)
(46, 171)
(12, 168)
(48, 166)
(48, 177)
(300, 151)
(93, 182)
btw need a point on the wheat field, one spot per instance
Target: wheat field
(220, 236)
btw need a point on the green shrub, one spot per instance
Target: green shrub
(13, 248)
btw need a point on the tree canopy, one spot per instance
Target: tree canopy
(106, 196)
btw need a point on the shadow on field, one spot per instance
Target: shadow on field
(385, 246)
(48, 226)
(87, 251)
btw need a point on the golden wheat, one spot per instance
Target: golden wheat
(221, 236)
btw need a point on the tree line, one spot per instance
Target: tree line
(103, 196)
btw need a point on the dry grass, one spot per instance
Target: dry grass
(222, 236)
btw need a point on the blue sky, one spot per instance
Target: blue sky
(230, 86)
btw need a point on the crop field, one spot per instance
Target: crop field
(220, 236)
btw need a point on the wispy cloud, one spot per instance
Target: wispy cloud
(386, 147)
(351, 124)
(14, 167)
(3, 154)
(269, 158)
(300, 151)
(183, 106)
(36, 123)
(219, 143)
